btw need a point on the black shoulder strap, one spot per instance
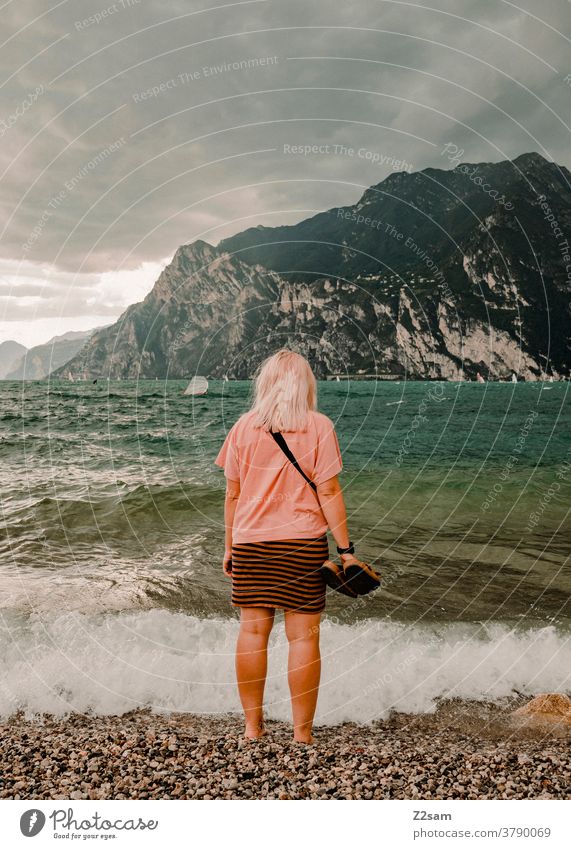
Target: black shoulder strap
(285, 448)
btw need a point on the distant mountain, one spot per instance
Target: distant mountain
(37, 362)
(10, 353)
(434, 274)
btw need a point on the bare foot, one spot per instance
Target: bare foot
(254, 732)
(305, 740)
(255, 735)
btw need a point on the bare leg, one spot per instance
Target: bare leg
(304, 670)
(252, 664)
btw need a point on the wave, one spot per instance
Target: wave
(100, 513)
(113, 663)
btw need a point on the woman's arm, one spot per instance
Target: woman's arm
(331, 499)
(230, 502)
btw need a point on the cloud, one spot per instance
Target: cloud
(28, 292)
(130, 128)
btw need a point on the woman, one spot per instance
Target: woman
(276, 526)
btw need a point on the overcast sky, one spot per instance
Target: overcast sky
(130, 128)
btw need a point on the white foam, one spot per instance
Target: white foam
(112, 663)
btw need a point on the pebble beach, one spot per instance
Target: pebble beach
(462, 751)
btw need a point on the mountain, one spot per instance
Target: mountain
(37, 362)
(198, 313)
(433, 274)
(10, 353)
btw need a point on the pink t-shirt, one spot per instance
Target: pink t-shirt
(275, 501)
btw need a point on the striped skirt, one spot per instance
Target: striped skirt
(280, 573)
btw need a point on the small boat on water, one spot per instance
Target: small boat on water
(197, 386)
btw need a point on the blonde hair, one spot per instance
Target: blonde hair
(285, 390)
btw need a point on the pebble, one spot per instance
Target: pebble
(458, 752)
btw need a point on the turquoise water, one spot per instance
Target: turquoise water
(112, 514)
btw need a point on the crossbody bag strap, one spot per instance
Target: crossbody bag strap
(285, 448)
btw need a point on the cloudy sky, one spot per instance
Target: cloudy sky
(129, 128)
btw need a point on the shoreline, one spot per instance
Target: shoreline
(464, 750)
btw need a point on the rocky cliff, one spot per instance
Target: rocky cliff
(433, 274)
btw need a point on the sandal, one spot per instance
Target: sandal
(360, 577)
(334, 577)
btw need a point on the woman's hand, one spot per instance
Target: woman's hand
(227, 564)
(348, 557)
